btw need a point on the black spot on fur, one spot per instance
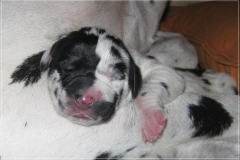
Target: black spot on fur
(117, 42)
(120, 70)
(235, 91)
(103, 156)
(143, 155)
(115, 53)
(197, 72)
(130, 149)
(25, 125)
(150, 57)
(206, 81)
(209, 118)
(165, 86)
(105, 109)
(29, 71)
(143, 94)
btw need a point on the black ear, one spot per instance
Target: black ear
(29, 71)
(135, 79)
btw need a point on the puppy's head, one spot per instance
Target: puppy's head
(90, 71)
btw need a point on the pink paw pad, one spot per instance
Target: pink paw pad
(153, 123)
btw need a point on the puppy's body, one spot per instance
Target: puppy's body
(196, 123)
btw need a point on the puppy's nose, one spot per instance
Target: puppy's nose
(84, 102)
(87, 100)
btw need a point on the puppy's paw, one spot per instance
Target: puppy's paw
(153, 123)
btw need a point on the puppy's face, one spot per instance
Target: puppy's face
(90, 72)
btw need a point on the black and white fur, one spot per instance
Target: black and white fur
(200, 122)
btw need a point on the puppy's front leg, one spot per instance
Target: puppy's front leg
(160, 86)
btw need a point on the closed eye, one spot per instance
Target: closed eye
(115, 71)
(69, 68)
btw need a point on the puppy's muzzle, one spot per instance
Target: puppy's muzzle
(82, 97)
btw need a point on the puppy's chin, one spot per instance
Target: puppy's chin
(84, 121)
(78, 118)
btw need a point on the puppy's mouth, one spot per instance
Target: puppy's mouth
(81, 105)
(85, 114)
(82, 116)
(88, 109)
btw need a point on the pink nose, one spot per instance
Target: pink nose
(84, 102)
(90, 97)
(87, 100)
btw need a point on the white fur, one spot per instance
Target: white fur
(154, 73)
(220, 82)
(173, 50)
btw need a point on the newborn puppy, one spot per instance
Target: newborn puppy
(90, 74)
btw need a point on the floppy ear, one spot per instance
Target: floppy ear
(29, 71)
(135, 79)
